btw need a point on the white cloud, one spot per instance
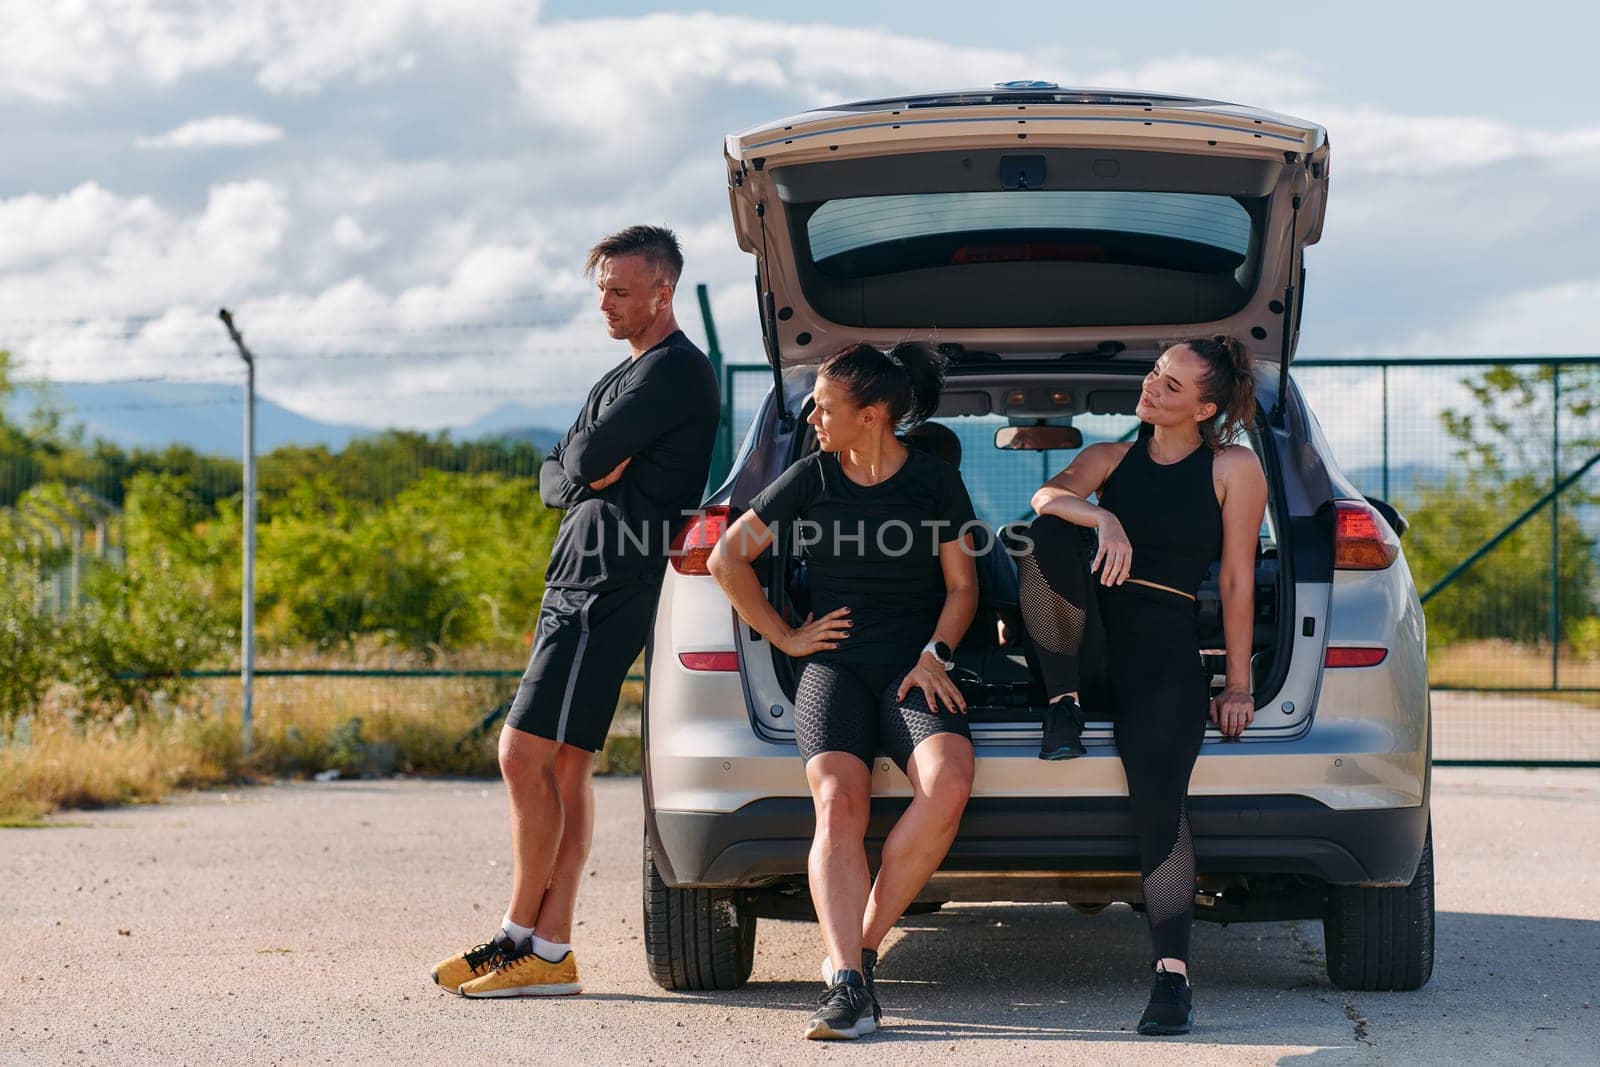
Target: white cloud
(410, 252)
(1371, 141)
(1561, 319)
(1276, 81)
(349, 235)
(56, 51)
(40, 230)
(219, 131)
(571, 73)
(98, 255)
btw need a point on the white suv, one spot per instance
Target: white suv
(1049, 241)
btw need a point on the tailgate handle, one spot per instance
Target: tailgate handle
(1022, 172)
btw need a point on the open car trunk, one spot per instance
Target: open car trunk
(1001, 686)
(1022, 223)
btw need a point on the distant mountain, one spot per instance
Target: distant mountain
(519, 422)
(1404, 479)
(207, 418)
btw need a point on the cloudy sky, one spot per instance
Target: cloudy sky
(395, 197)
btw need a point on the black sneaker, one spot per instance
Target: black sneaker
(848, 1010)
(869, 963)
(1171, 1010)
(1063, 731)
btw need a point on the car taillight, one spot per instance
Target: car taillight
(1362, 541)
(692, 547)
(709, 661)
(1355, 657)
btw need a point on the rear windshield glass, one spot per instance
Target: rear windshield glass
(1002, 482)
(1028, 258)
(1181, 230)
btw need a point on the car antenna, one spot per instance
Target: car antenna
(769, 324)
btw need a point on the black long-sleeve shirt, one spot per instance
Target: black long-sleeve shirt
(662, 410)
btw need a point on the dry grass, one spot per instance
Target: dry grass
(64, 765)
(1492, 664)
(419, 726)
(302, 726)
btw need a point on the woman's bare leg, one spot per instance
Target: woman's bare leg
(841, 789)
(940, 770)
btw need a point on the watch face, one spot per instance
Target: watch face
(942, 650)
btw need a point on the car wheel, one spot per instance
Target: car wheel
(695, 938)
(1382, 938)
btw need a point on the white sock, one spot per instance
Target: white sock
(550, 951)
(517, 934)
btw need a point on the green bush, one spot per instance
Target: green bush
(29, 639)
(1504, 450)
(153, 614)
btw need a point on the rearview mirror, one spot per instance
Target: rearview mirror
(1037, 438)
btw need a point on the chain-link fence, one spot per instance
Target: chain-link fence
(397, 583)
(1487, 458)
(399, 576)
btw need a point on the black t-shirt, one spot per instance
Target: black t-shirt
(662, 409)
(872, 547)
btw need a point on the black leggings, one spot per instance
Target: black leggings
(1133, 652)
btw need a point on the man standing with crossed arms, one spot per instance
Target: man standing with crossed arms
(630, 469)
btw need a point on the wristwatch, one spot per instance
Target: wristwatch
(942, 653)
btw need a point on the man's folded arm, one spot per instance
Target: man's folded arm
(555, 488)
(643, 412)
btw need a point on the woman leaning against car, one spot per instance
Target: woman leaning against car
(1168, 504)
(894, 588)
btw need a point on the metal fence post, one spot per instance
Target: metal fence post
(247, 626)
(1386, 431)
(1555, 528)
(722, 447)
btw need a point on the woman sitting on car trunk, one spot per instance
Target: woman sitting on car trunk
(894, 589)
(1169, 503)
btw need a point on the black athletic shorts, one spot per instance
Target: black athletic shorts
(583, 645)
(851, 707)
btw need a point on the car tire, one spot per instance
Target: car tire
(695, 938)
(1382, 938)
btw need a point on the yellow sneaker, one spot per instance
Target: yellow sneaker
(456, 971)
(528, 975)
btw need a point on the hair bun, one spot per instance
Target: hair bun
(1229, 383)
(908, 377)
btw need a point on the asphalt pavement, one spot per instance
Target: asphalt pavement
(297, 923)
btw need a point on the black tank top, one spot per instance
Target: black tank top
(1170, 513)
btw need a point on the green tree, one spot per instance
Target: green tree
(157, 613)
(1504, 444)
(29, 635)
(453, 561)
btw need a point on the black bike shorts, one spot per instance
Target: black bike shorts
(583, 645)
(851, 707)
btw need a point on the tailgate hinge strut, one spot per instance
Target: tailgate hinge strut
(1280, 407)
(769, 324)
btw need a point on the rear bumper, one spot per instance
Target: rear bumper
(766, 841)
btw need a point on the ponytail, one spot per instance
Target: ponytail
(1229, 383)
(908, 378)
